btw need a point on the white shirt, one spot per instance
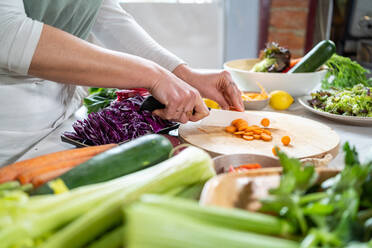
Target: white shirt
(30, 107)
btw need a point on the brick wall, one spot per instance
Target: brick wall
(287, 25)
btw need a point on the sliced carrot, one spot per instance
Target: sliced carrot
(266, 131)
(12, 171)
(27, 176)
(230, 129)
(266, 137)
(265, 122)
(248, 137)
(274, 150)
(286, 140)
(251, 128)
(257, 136)
(239, 132)
(236, 121)
(257, 131)
(249, 133)
(46, 177)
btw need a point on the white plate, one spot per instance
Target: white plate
(352, 120)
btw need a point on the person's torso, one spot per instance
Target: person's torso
(32, 107)
(73, 16)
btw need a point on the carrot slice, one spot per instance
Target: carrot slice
(265, 122)
(256, 136)
(266, 137)
(239, 132)
(247, 137)
(258, 131)
(274, 150)
(286, 140)
(12, 171)
(230, 129)
(266, 131)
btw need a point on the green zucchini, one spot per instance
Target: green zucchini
(315, 58)
(116, 162)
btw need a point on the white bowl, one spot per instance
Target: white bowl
(296, 84)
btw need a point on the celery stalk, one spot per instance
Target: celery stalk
(192, 192)
(156, 227)
(189, 167)
(113, 239)
(230, 218)
(9, 185)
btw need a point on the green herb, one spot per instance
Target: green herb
(99, 98)
(335, 216)
(344, 73)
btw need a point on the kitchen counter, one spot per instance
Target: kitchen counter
(359, 136)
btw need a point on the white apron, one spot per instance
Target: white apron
(30, 108)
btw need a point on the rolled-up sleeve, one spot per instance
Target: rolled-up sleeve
(19, 36)
(117, 30)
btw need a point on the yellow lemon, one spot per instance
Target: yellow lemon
(280, 100)
(211, 104)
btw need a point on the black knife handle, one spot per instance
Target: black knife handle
(151, 104)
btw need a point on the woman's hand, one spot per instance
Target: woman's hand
(180, 99)
(217, 86)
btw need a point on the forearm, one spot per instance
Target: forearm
(64, 58)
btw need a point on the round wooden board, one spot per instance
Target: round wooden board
(309, 139)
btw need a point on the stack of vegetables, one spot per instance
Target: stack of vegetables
(86, 215)
(278, 59)
(336, 213)
(118, 212)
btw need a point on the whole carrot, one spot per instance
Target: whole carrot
(46, 177)
(28, 175)
(12, 171)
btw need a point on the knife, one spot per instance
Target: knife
(151, 104)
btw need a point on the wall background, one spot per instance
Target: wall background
(203, 33)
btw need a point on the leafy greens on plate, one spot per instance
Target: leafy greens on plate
(355, 101)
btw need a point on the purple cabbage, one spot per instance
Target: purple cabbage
(121, 121)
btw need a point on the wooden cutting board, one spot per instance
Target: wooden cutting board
(309, 139)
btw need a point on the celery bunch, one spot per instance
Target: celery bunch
(167, 222)
(78, 217)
